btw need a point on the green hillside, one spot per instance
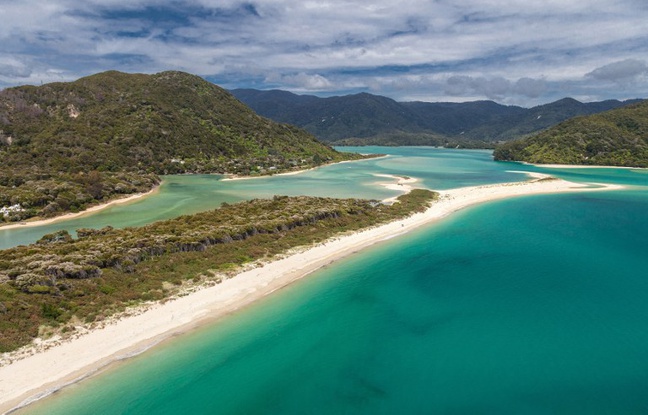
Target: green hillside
(67, 145)
(366, 119)
(615, 138)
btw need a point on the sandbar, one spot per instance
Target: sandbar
(403, 184)
(579, 166)
(231, 177)
(39, 373)
(67, 216)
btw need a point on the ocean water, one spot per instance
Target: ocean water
(531, 305)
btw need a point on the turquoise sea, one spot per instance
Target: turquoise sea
(530, 305)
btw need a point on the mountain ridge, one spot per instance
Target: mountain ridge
(374, 119)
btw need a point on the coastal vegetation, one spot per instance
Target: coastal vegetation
(614, 138)
(65, 146)
(60, 283)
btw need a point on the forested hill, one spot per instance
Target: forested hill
(362, 119)
(615, 138)
(66, 145)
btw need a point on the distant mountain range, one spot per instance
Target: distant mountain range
(363, 119)
(617, 137)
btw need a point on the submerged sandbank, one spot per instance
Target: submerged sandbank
(42, 373)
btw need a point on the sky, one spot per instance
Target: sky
(515, 52)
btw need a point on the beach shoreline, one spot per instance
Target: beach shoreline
(404, 184)
(233, 177)
(579, 166)
(67, 216)
(40, 374)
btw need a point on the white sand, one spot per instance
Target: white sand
(288, 173)
(296, 172)
(403, 184)
(265, 176)
(579, 166)
(88, 211)
(42, 373)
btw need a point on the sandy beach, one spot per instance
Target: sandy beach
(403, 184)
(580, 166)
(265, 176)
(39, 222)
(296, 172)
(42, 373)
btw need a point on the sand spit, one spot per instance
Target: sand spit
(41, 373)
(40, 222)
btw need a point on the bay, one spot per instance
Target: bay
(528, 305)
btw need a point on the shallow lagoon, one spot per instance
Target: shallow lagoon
(186, 194)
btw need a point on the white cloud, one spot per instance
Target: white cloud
(621, 71)
(494, 88)
(498, 49)
(302, 81)
(14, 69)
(528, 87)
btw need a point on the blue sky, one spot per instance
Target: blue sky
(511, 51)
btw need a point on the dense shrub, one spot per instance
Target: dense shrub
(104, 270)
